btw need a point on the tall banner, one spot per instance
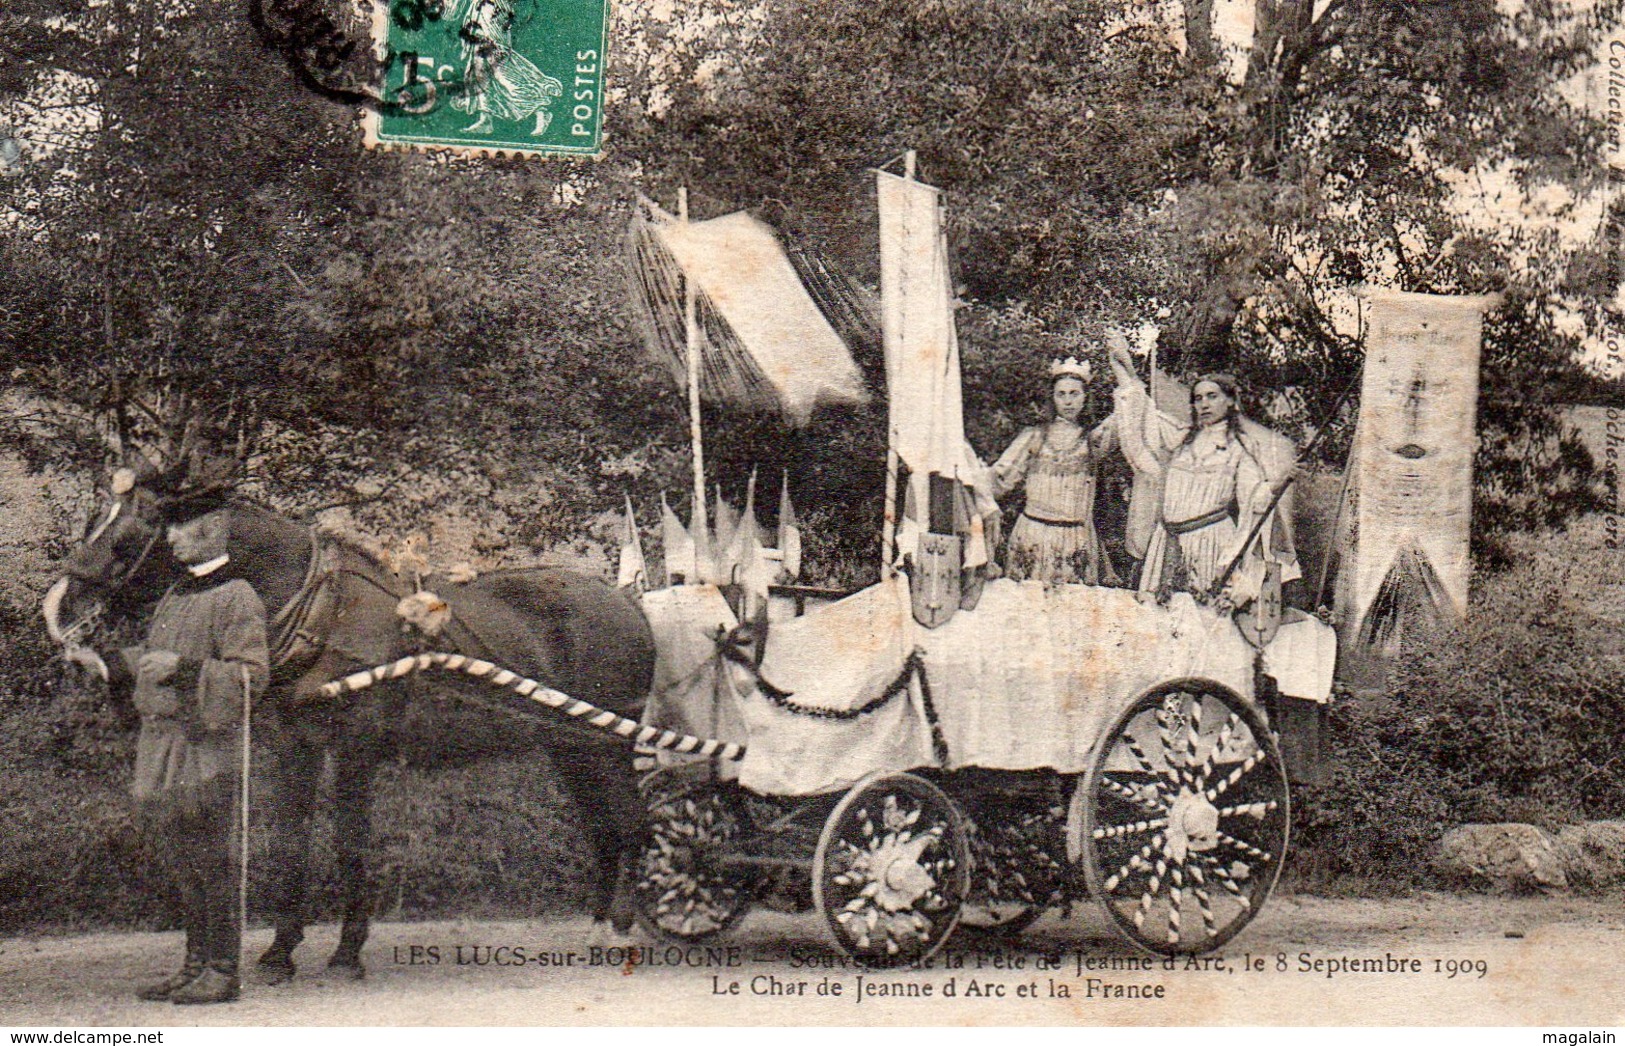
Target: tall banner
(941, 528)
(1412, 464)
(917, 321)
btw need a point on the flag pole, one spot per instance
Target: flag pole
(1279, 489)
(691, 334)
(888, 547)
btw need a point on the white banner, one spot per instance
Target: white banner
(1413, 450)
(922, 349)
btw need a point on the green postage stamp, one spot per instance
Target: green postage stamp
(519, 76)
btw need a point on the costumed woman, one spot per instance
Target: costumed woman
(1212, 479)
(1054, 538)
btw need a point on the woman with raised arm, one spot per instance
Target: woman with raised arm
(1054, 538)
(1216, 477)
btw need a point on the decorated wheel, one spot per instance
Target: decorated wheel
(892, 870)
(1019, 872)
(687, 892)
(1185, 817)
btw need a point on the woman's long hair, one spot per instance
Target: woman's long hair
(1228, 385)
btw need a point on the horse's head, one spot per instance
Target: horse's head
(122, 563)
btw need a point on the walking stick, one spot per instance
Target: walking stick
(242, 836)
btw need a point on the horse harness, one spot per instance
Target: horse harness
(308, 624)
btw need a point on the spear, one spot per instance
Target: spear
(1279, 488)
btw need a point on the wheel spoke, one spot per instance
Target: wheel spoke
(1165, 735)
(1119, 830)
(1257, 810)
(1176, 883)
(1250, 850)
(1193, 732)
(1225, 783)
(1135, 795)
(1164, 773)
(1204, 902)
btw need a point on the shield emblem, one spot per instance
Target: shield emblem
(1260, 621)
(935, 580)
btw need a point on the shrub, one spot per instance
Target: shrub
(1515, 716)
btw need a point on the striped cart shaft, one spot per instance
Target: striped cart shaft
(498, 676)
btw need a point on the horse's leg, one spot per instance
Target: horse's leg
(294, 778)
(352, 830)
(599, 779)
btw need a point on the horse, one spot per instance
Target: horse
(332, 610)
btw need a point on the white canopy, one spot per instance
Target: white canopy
(770, 331)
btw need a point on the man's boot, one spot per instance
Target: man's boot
(217, 983)
(161, 990)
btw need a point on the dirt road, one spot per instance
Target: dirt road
(1306, 960)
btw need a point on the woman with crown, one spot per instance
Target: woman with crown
(1054, 538)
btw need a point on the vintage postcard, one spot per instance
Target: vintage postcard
(1046, 513)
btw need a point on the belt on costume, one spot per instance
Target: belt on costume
(1206, 519)
(1055, 522)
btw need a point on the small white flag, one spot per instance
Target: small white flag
(678, 546)
(744, 537)
(632, 572)
(789, 533)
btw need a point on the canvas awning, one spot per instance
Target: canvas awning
(764, 343)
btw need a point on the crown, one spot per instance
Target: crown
(1071, 368)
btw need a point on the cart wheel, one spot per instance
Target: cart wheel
(685, 892)
(1018, 873)
(892, 870)
(1185, 817)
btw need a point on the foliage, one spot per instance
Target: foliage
(1516, 717)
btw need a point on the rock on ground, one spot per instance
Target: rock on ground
(1521, 858)
(1516, 858)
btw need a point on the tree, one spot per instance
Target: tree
(1105, 166)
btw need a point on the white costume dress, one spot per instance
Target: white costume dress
(1054, 538)
(1213, 486)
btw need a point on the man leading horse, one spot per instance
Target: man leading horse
(203, 660)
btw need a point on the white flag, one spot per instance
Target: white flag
(678, 546)
(789, 533)
(632, 572)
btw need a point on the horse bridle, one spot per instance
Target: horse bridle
(121, 578)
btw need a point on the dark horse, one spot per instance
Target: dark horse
(333, 611)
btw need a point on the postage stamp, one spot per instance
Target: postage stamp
(516, 76)
(1052, 514)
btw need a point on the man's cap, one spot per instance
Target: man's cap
(184, 508)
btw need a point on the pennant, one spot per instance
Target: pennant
(724, 521)
(753, 567)
(633, 570)
(746, 536)
(678, 546)
(789, 533)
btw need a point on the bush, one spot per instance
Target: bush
(1516, 716)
